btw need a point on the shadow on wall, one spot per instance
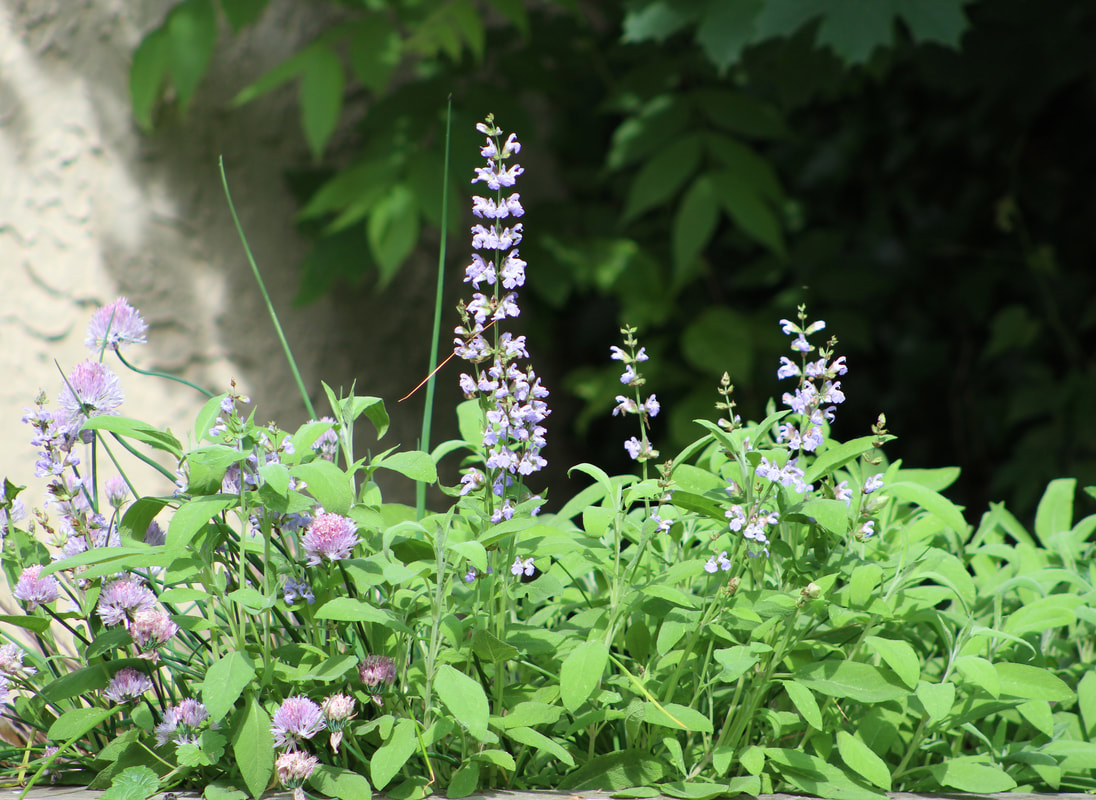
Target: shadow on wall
(155, 213)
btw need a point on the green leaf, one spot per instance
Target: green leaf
(413, 464)
(225, 681)
(1055, 512)
(695, 790)
(941, 22)
(321, 95)
(146, 78)
(82, 682)
(740, 113)
(1086, 702)
(899, 656)
(193, 515)
(390, 757)
(694, 224)
(138, 516)
(676, 716)
(618, 770)
(660, 122)
(490, 648)
(393, 230)
(35, 624)
(276, 478)
(749, 211)
(662, 176)
(725, 29)
(803, 700)
(78, 721)
(253, 747)
(862, 760)
(861, 682)
(341, 783)
(862, 584)
(834, 458)
(735, 662)
(933, 502)
(465, 699)
(1039, 714)
(241, 13)
(745, 167)
(1042, 615)
(832, 515)
(375, 52)
(1031, 683)
(581, 673)
(530, 713)
(133, 783)
(349, 609)
(719, 340)
(538, 741)
(135, 429)
(327, 483)
(937, 698)
(980, 672)
(192, 32)
(811, 774)
(968, 776)
(465, 780)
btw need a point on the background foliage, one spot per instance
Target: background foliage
(913, 169)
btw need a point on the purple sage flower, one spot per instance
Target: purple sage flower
(114, 325)
(329, 536)
(35, 590)
(296, 719)
(518, 567)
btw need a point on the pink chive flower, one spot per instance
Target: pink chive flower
(152, 629)
(127, 684)
(377, 673)
(330, 536)
(90, 390)
(121, 601)
(114, 325)
(293, 769)
(296, 719)
(34, 590)
(11, 661)
(338, 710)
(180, 723)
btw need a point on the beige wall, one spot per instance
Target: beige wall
(91, 209)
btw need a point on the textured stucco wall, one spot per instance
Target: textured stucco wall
(91, 209)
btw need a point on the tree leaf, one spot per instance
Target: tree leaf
(465, 699)
(321, 96)
(192, 33)
(581, 673)
(694, 224)
(749, 211)
(862, 760)
(146, 78)
(241, 13)
(662, 176)
(393, 230)
(719, 340)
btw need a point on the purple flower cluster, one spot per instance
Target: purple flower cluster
(35, 590)
(114, 325)
(296, 719)
(639, 449)
(512, 398)
(753, 525)
(127, 684)
(293, 769)
(819, 392)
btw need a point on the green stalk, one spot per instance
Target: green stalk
(428, 409)
(266, 296)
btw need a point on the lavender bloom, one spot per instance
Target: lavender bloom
(718, 563)
(519, 566)
(34, 590)
(843, 492)
(127, 684)
(818, 393)
(294, 590)
(293, 769)
(330, 536)
(296, 719)
(122, 600)
(867, 530)
(180, 723)
(873, 483)
(511, 398)
(91, 390)
(114, 325)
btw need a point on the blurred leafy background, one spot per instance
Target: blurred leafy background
(919, 172)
